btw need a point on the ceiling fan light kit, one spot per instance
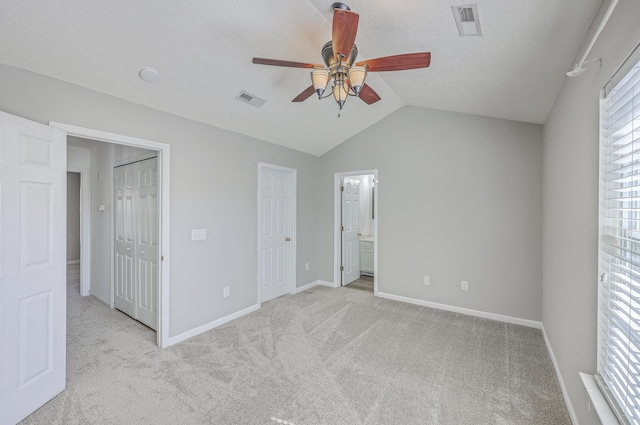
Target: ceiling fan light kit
(339, 57)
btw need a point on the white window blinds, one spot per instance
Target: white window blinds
(619, 247)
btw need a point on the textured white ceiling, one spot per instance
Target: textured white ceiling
(203, 50)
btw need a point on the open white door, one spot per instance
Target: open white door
(33, 167)
(350, 230)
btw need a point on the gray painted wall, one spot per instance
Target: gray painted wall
(73, 217)
(213, 186)
(570, 275)
(460, 198)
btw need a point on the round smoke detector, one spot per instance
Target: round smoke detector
(149, 75)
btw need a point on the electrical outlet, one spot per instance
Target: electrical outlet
(427, 280)
(226, 291)
(306, 266)
(198, 234)
(464, 285)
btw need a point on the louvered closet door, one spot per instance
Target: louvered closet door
(136, 244)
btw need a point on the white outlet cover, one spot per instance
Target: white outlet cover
(198, 234)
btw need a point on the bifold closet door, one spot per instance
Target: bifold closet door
(146, 206)
(124, 240)
(136, 240)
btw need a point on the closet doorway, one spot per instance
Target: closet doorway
(101, 254)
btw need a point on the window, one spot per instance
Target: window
(619, 246)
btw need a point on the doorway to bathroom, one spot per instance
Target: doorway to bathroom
(356, 224)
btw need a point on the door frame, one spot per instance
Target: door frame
(337, 220)
(85, 229)
(293, 187)
(164, 152)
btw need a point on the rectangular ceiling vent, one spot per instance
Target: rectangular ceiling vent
(466, 14)
(467, 19)
(250, 99)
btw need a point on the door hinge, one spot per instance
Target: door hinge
(341, 268)
(341, 188)
(162, 258)
(342, 228)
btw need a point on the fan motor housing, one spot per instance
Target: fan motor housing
(329, 60)
(338, 5)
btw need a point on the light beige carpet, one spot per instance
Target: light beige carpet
(323, 356)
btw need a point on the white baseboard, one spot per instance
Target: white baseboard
(311, 285)
(73, 262)
(326, 283)
(565, 394)
(208, 326)
(305, 287)
(461, 310)
(107, 303)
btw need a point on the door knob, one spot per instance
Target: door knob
(141, 252)
(287, 239)
(128, 249)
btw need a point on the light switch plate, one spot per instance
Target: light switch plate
(198, 234)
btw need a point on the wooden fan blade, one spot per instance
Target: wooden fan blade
(305, 94)
(345, 26)
(398, 62)
(368, 95)
(277, 62)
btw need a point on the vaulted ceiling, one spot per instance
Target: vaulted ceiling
(203, 52)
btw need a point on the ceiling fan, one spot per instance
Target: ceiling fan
(339, 57)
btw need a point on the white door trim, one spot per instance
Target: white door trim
(292, 213)
(85, 229)
(337, 219)
(163, 150)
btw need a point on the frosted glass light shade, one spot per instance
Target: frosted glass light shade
(320, 79)
(340, 93)
(357, 74)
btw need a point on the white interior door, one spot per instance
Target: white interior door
(33, 166)
(275, 246)
(350, 230)
(147, 242)
(124, 281)
(136, 240)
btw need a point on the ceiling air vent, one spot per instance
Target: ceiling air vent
(250, 99)
(467, 19)
(466, 14)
